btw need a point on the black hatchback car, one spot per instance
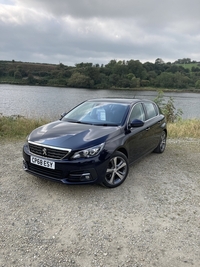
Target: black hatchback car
(96, 141)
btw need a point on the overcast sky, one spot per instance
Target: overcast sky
(97, 31)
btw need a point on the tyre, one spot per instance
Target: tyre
(162, 144)
(117, 170)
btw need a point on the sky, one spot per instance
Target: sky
(98, 31)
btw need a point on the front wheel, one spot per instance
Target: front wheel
(117, 170)
(162, 144)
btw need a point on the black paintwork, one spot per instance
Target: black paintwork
(133, 139)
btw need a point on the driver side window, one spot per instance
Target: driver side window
(137, 113)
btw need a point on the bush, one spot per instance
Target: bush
(168, 108)
(17, 75)
(197, 84)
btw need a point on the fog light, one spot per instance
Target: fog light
(86, 176)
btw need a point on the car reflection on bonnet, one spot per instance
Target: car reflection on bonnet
(96, 141)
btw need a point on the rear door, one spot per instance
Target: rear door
(152, 123)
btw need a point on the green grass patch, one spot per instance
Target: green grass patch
(188, 65)
(12, 80)
(17, 127)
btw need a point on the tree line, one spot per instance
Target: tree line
(181, 74)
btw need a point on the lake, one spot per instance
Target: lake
(50, 102)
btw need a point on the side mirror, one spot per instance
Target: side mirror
(136, 123)
(62, 115)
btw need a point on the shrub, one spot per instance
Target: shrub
(197, 84)
(168, 108)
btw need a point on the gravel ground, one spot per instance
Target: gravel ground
(152, 219)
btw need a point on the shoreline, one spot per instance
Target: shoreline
(192, 90)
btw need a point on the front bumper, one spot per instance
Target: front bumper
(82, 171)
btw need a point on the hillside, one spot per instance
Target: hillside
(116, 74)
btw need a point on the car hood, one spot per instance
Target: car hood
(72, 135)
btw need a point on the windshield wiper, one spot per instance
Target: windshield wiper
(92, 123)
(72, 121)
(106, 124)
(80, 122)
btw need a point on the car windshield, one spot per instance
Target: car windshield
(98, 113)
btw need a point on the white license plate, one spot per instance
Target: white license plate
(43, 162)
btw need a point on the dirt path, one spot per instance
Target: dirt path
(153, 219)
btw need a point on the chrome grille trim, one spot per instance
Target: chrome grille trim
(52, 152)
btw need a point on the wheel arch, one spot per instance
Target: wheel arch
(123, 150)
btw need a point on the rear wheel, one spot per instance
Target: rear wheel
(117, 170)
(162, 144)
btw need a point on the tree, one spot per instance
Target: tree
(93, 73)
(31, 79)
(1, 72)
(197, 84)
(111, 64)
(103, 81)
(135, 83)
(159, 61)
(11, 73)
(180, 80)
(17, 75)
(83, 65)
(79, 80)
(183, 61)
(120, 69)
(114, 79)
(136, 67)
(61, 66)
(165, 80)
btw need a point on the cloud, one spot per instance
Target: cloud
(98, 31)
(118, 8)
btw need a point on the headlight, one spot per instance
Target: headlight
(89, 152)
(27, 138)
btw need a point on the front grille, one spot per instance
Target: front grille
(56, 174)
(48, 152)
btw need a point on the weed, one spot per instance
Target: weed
(168, 108)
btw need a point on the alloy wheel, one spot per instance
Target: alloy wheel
(117, 170)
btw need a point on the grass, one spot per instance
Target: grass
(17, 127)
(12, 80)
(188, 65)
(184, 129)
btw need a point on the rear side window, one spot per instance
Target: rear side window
(151, 110)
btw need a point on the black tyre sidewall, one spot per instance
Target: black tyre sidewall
(158, 149)
(117, 154)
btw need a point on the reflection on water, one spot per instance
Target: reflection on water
(50, 102)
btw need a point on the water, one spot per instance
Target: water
(50, 102)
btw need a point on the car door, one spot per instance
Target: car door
(152, 125)
(137, 136)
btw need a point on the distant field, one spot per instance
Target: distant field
(189, 65)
